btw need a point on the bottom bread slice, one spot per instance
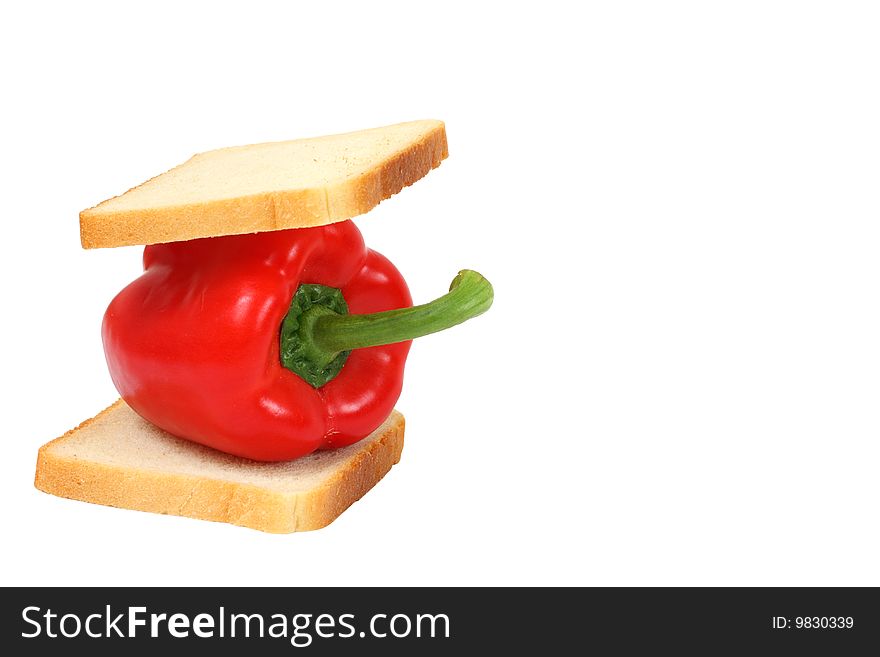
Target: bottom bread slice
(119, 459)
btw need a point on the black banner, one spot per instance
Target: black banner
(438, 621)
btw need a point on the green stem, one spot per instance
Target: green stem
(318, 333)
(469, 295)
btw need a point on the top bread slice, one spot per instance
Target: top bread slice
(271, 186)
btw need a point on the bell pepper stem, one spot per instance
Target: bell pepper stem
(469, 295)
(318, 334)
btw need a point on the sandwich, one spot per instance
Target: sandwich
(260, 354)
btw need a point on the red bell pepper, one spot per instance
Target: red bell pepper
(245, 343)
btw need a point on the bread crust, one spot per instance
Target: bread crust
(240, 503)
(271, 210)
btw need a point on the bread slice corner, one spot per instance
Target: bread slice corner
(270, 186)
(119, 459)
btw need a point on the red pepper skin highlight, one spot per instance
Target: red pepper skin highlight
(193, 344)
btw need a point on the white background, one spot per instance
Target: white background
(677, 204)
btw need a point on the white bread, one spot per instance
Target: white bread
(288, 184)
(118, 459)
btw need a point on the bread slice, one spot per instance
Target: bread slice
(287, 184)
(119, 459)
